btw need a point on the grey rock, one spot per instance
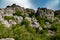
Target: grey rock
(18, 18)
(12, 22)
(5, 22)
(48, 25)
(28, 18)
(46, 13)
(34, 23)
(40, 28)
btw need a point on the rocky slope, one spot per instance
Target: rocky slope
(40, 19)
(28, 13)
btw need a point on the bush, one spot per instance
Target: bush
(9, 17)
(18, 31)
(18, 13)
(8, 33)
(26, 23)
(54, 26)
(41, 21)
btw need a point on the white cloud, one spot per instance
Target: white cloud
(23, 3)
(52, 4)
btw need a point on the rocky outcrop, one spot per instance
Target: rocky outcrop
(30, 11)
(31, 16)
(34, 23)
(46, 13)
(15, 7)
(10, 10)
(18, 18)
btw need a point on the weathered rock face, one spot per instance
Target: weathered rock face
(6, 23)
(1, 11)
(34, 23)
(14, 7)
(30, 10)
(18, 18)
(11, 22)
(28, 18)
(10, 10)
(46, 13)
(43, 12)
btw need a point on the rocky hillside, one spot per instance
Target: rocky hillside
(28, 24)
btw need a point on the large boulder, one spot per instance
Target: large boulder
(18, 18)
(5, 22)
(15, 7)
(2, 11)
(46, 13)
(28, 18)
(12, 22)
(34, 23)
(8, 12)
(31, 12)
(40, 28)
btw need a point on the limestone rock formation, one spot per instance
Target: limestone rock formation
(28, 13)
(46, 13)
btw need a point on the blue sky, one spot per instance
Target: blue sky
(50, 4)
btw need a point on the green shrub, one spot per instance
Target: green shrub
(9, 17)
(41, 21)
(54, 26)
(57, 37)
(26, 22)
(31, 30)
(2, 28)
(18, 13)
